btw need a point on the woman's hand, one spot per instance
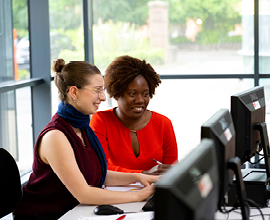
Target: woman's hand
(145, 193)
(158, 169)
(147, 180)
(149, 189)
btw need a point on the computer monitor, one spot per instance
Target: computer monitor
(189, 190)
(220, 129)
(248, 114)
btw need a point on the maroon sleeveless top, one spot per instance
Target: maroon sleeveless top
(44, 193)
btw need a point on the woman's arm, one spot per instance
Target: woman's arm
(170, 149)
(56, 151)
(119, 178)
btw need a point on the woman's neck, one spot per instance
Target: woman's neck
(133, 123)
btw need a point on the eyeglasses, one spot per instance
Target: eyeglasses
(97, 90)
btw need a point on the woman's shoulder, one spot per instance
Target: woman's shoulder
(54, 134)
(106, 116)
(158, 116)
(57, 126)
(160, 120)
(103, 114)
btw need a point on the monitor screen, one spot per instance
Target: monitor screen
(220, 129)
(190, 188)
(248, 114)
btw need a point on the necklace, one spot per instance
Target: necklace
(133, 131)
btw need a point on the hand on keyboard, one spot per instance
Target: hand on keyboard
(149, 205)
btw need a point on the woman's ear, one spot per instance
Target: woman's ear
(73, 91)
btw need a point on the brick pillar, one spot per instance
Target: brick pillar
(158, 24)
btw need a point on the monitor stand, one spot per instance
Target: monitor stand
(235, 165)
(261, 127)
(256, 180)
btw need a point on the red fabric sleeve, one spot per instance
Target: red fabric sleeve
(169, 143)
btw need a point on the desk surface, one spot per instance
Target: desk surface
(81, 211)
(87, 211)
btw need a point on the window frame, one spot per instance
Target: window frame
(40, 75)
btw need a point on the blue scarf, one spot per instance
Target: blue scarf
(79, 120)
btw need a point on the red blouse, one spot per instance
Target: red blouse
(156, 140)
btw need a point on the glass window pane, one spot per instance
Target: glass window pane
(24, 129)
(247, 26)
(21, 40)
(54, 97)
(264, 37)
(205, 37)
(266, 84)
(66, 30)
(66, 36)
(6, 42)
(8, 132)
(16, 126)
(189, 103)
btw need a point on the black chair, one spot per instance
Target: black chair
(10, 183)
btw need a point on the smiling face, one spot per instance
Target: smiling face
(134, 101)
(87, 99)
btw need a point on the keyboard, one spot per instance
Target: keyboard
(149, 205)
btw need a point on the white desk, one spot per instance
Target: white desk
(254, 214)
(87, 211)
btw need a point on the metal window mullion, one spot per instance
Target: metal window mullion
(256, 43)
(39, 38)
(88, 33)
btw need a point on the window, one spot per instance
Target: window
(8, 135)
(188, 42)
(197, 49)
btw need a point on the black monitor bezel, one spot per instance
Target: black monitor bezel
(216, 128)
(171, 200)
(245, 117)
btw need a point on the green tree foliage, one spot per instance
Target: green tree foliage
(132, 11)
(20, 17)
(65, 14)
(218, 18)
(112, 40)
(214, 13)
(121, 38)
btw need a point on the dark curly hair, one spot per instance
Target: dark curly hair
(123, 70)
(74, 73)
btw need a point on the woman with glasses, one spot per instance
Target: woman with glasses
(134, 138)
(69, 165)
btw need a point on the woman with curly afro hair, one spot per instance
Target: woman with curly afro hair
(132, 136)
